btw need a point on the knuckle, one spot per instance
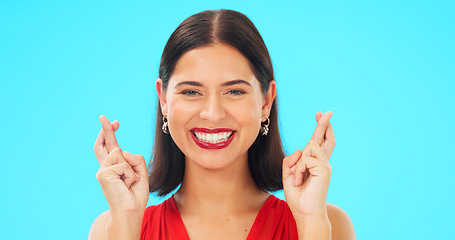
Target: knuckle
(303, 162)
(313, 143)
(328, 167)
(117, 149)
(110, 158)
(99, 174)
(125, 165)
(116, 153)
(96, 149)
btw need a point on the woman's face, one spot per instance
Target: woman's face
(214, 106)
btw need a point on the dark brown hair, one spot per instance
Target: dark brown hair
(167, 166)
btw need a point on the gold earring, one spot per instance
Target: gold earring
(265, 121)
(165, 126)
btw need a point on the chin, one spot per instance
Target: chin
(216, 159)
(210, 161)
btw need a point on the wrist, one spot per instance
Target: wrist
(126, 214)
(314, 228)
(316, 214)
(123, 225)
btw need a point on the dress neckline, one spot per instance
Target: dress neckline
(252, 231)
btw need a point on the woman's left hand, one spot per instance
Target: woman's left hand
(306, 174)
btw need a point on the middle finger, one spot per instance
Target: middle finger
(329, 141)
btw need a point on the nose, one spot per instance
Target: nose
(212, 109)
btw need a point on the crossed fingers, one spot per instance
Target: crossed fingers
(106, 141)
(315, 155)
(323, 134)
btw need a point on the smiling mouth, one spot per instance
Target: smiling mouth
(213, 137)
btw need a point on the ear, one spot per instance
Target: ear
(268, 99)
(161, 96)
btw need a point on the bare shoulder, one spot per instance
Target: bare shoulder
(98, 229)
(342, 227)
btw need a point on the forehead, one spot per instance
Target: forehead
(215, 63)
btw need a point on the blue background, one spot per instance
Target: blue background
(384, 68)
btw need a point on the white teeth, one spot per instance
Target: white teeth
(213, 137)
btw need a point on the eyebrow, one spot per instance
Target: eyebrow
(237, 81)
(228, 83)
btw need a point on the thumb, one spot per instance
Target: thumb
(137, 163)
(290, 161)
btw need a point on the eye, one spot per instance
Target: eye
(189, 92)
(236, 92)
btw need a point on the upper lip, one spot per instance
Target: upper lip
(212, 130)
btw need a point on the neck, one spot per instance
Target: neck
(226, 189)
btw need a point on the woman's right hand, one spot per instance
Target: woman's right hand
(122, 176)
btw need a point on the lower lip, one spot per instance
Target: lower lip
(219, 145)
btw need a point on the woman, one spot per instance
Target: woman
(217, 138)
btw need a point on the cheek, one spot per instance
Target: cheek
(179, 108)
(179, 113)
(247, 114)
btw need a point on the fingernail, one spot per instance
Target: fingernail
(126, 153)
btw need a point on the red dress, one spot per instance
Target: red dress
(274, 221)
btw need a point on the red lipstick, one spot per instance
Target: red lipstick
(207, 145)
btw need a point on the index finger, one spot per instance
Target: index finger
(109, 136)
(321, 128)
